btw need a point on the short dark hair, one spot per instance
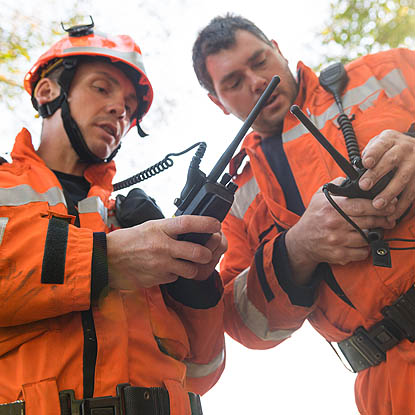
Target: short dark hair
(217, 35)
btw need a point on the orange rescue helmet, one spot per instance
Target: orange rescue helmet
(82, 41)
(82, 45)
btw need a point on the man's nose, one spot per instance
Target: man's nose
(117, 107)
(258, 82)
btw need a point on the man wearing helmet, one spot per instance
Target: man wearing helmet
(94, 321)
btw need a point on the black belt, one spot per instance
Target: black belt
(129, 400)
(366, 348)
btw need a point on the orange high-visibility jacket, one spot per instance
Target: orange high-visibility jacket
(258, 312)
(143, 337)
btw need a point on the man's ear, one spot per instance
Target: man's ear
(216, 100)
(46, 91)
(278, 49)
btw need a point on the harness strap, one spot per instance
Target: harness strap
(13, 408)
(129, 400)
(366, 348)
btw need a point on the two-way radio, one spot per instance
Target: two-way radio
(202, 195)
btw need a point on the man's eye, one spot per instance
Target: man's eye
(235, 84)
(259, 63)
(101, 90)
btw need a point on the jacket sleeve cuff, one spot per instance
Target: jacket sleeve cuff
(99, 267)
(196, 294)
(298, 294)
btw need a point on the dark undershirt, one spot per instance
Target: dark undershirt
(277, 159)
(77, 187)
(275, 154)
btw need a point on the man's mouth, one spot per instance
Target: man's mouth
(271, 99)
(110, 129)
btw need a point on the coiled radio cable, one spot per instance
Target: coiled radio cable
(159, 167)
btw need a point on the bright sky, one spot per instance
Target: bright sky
(303, 375)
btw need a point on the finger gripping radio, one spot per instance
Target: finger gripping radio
(206, 196)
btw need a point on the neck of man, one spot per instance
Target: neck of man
(56, 151)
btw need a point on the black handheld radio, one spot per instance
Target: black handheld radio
(350, 186)
(202, 195)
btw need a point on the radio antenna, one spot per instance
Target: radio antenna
(228, 154)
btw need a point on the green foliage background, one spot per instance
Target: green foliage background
(353, 28)
(359, 27)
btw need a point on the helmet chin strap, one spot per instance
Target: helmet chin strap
(77, 140)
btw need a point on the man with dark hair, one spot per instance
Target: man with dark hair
(96, 319)
(291, 255)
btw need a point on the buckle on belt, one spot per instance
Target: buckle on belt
(129, 400)
(106, 405)
(361, 350)
(12, 408)
(402, 313)
(367, 348)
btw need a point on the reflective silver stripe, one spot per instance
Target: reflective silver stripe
(393, 83)
(195, 370)
(251, 316)
(131, 57)
(93, 205)
(364, 96)
(24, 194)
(244, 196)
(3, 223)
(112, 221)
(368, 102)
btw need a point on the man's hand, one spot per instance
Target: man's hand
(150, 254)
(218, 245)
(322, 235)
(389, 150)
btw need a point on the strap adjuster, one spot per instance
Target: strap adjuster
(402, 313)
(361, 351)
(106, 405)
(367, 348)
(12, 408)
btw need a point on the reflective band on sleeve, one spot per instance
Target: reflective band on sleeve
(253, 319)
(364, 96)
(3, 223)
(131, 57)
(24, 194)
(93, 205)
(244, 196)
(195, 370)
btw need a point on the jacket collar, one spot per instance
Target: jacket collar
(97, 174)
